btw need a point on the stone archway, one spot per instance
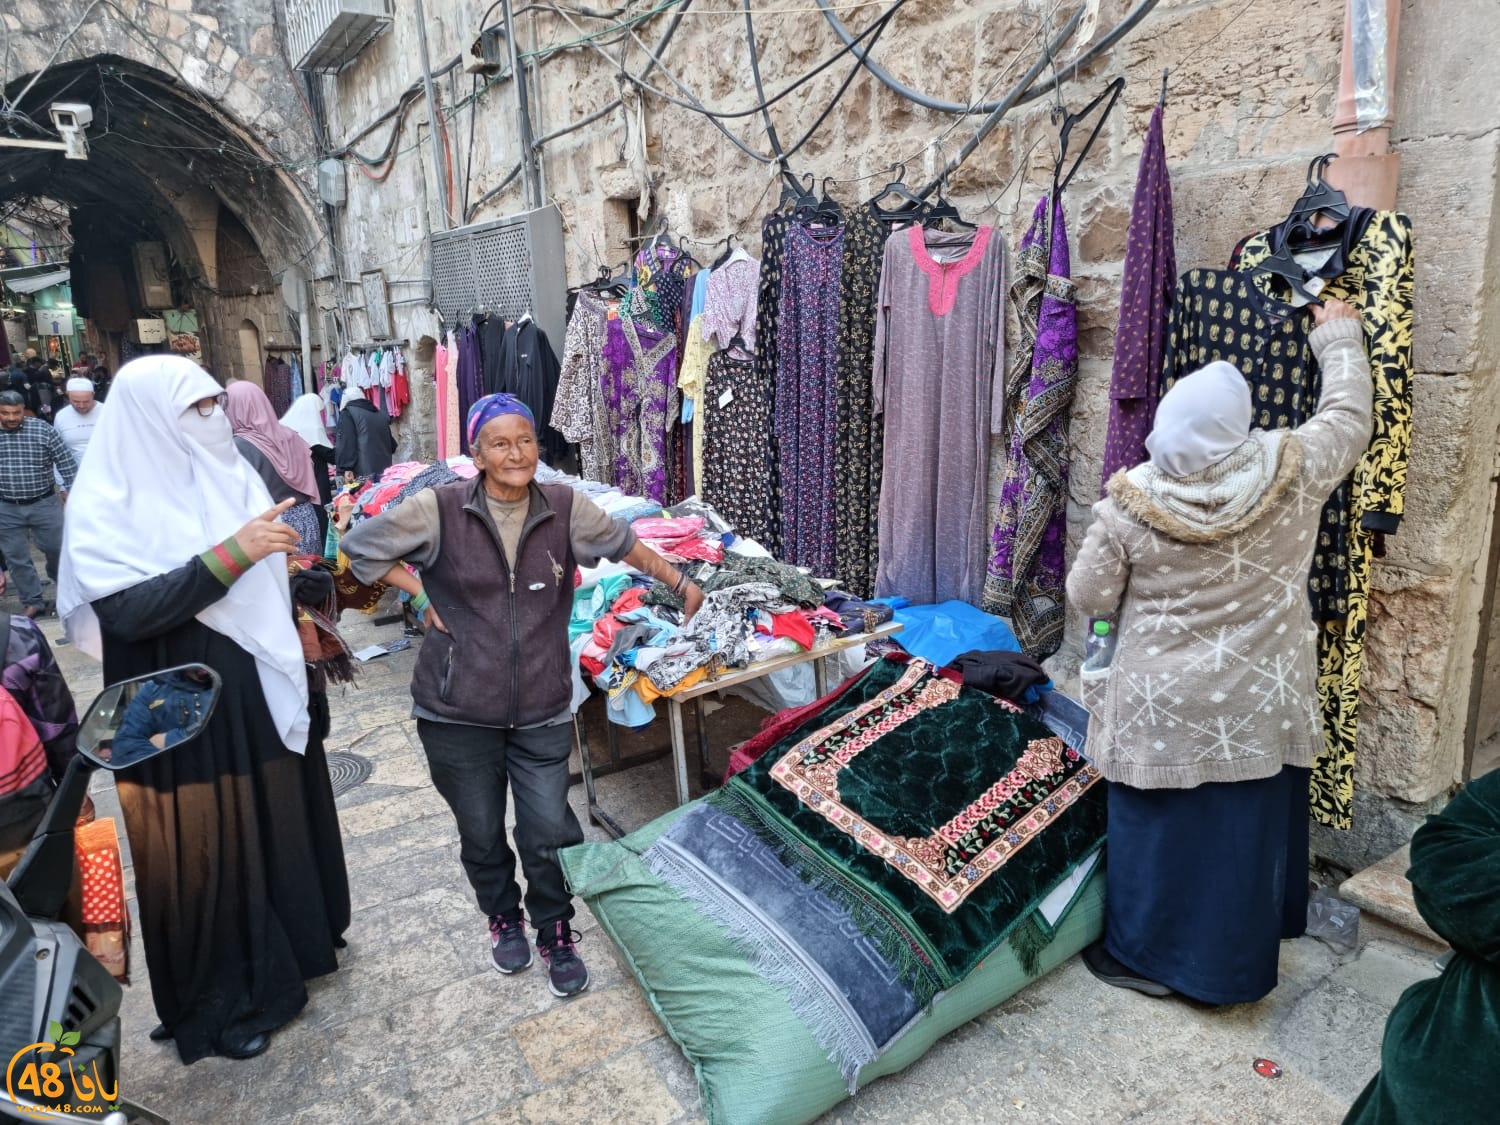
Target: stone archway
(181, 146)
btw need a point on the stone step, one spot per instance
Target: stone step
(1382, 892)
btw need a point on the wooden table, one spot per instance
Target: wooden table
(694, 695)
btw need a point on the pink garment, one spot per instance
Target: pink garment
(449, 376)
(253, 418)
(664, 527)
(729, 306)
(442, 400)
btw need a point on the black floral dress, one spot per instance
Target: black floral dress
(739, 463)
(860, 445)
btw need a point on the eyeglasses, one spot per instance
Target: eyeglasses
(220, 400)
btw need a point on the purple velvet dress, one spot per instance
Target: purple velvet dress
(1027, 570)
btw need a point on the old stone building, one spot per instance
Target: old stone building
(1252, 95)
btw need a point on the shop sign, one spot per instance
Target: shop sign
(54, 322)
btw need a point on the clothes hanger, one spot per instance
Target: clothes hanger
(943, 211)
(1301, 232)
(828, 209)
(1112, 93)
(793, 191)
(908, 207)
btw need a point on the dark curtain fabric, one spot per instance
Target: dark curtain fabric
(1438, 1061)
(1204, 883)
(239, 863)
(519, 361)
(470, 380)
(860, 446)
(985, 805)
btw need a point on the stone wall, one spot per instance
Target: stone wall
(1251, 97)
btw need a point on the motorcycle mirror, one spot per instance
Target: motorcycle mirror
(135, 720)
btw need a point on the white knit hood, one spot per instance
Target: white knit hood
(1215, 502)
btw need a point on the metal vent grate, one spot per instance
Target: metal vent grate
(324, 36)
(507, 267)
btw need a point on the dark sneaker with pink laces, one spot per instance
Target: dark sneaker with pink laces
(566, 973)
(509, 950)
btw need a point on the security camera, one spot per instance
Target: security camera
(71, 117)
(71, 120)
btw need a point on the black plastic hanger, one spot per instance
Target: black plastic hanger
(828, 209)
(795, 193)
(1111, 92)
(943, 211)
(908, 207)
(1301, 232)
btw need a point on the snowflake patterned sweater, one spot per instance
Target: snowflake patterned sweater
(1214, 676)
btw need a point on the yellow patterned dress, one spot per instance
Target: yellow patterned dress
(1377, 279)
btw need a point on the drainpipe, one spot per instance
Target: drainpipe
(529, 177)
(1366, 170)
(434, 134)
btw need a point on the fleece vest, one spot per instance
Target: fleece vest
(504, 660)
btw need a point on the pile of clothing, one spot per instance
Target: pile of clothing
(680, 540)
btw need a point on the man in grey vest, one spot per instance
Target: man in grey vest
(493, 684)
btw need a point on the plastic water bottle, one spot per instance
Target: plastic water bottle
(1099, 647)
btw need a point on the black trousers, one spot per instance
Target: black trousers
(472, 767)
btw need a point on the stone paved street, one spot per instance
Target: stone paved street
(416, 1028)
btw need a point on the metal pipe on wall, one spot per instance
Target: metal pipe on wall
(1366, 170)
(433, 132)
(529, 179)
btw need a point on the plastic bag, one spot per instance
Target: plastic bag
(1331, 919)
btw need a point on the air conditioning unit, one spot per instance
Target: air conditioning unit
(507, 268)
(324, 36)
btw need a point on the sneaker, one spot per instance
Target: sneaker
(566, 973)
(1099, 961)
(510, 952)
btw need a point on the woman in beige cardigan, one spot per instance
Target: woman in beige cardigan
(1207, 721)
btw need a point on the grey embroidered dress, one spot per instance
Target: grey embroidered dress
(939, 382)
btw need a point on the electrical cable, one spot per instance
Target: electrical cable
(1004, 105)
(1126, 25)
(760, 90)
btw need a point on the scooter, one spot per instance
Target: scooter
(59, 1007)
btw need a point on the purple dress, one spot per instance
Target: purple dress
(806, 403)
(1146, 286)
(639, 384)
(1027, 570)
(470, 381)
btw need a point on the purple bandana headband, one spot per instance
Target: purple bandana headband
(491, 407)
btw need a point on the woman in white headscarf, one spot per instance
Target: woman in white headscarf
(305, 418)
(172, 554)
(1207, 721)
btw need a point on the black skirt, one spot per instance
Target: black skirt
(1203, 884)
(239, 864)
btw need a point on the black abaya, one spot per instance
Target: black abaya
(239, 863)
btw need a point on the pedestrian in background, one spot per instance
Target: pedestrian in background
(281, 458)
(32, 458)
(365, 445)
(1206, 723)
(76, 421)
(305, 418)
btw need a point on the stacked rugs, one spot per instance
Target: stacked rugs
(904, 859)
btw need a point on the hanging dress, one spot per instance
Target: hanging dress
(1027, 570)
(937, 382)
(805, 409)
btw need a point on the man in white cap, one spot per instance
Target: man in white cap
(75, 422)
